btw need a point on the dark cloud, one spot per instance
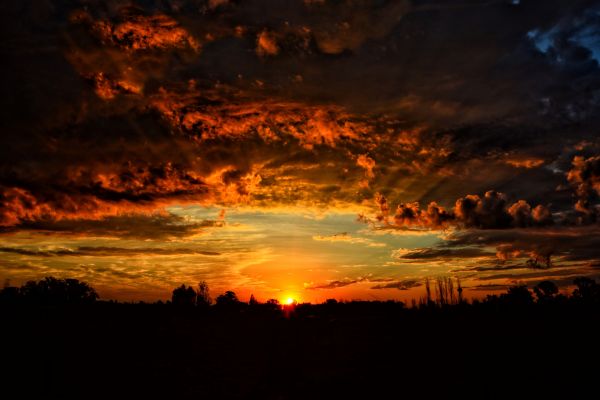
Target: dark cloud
(562, 244)
(127, 226)
(111, 108)
(490, 211)
(490, 287)
(400, 285)
(102, 251)
(584, 176)
(334, 284)
(493, 268)
(429, 253)
(540, 275)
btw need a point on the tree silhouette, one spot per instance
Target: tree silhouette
(459, 291)
(587, 290)
(9, 295)
(51, 290)
(228, 298)
(253, 300)
(429, 300)
(184, 296)
(517, 295)
(545, 291)
(203, 298)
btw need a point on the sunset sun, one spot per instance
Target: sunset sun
(289, 301)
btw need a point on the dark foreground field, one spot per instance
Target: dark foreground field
(502, 348)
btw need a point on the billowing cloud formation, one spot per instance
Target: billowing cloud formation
(490, 211)
(113, 109)
(585, 178)
(141, 32)
(411, 215)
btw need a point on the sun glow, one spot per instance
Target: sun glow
(289, 301)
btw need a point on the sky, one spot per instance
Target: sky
(312, 149)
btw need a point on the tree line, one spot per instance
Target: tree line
(445, 292)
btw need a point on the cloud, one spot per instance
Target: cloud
(564, 244)
(347, 26)
(493, 268)
(491, 211)
(103, 251)
(345, 237)
(410, 214)
(137, 32)
(440, 254)
(113, 109)
(400, 285)
(334, 284)
(524, 162)
(266, 44)
(584, 176)
(536, 277)
(150, 226)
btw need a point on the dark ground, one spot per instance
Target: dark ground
(361, 350)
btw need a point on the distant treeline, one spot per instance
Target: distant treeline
(445, 293)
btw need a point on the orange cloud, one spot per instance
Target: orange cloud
(139, 32)
(270, 119)
(21, 206)
(584, 176)
(527, 163)
(107, 89)
(266, 44)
